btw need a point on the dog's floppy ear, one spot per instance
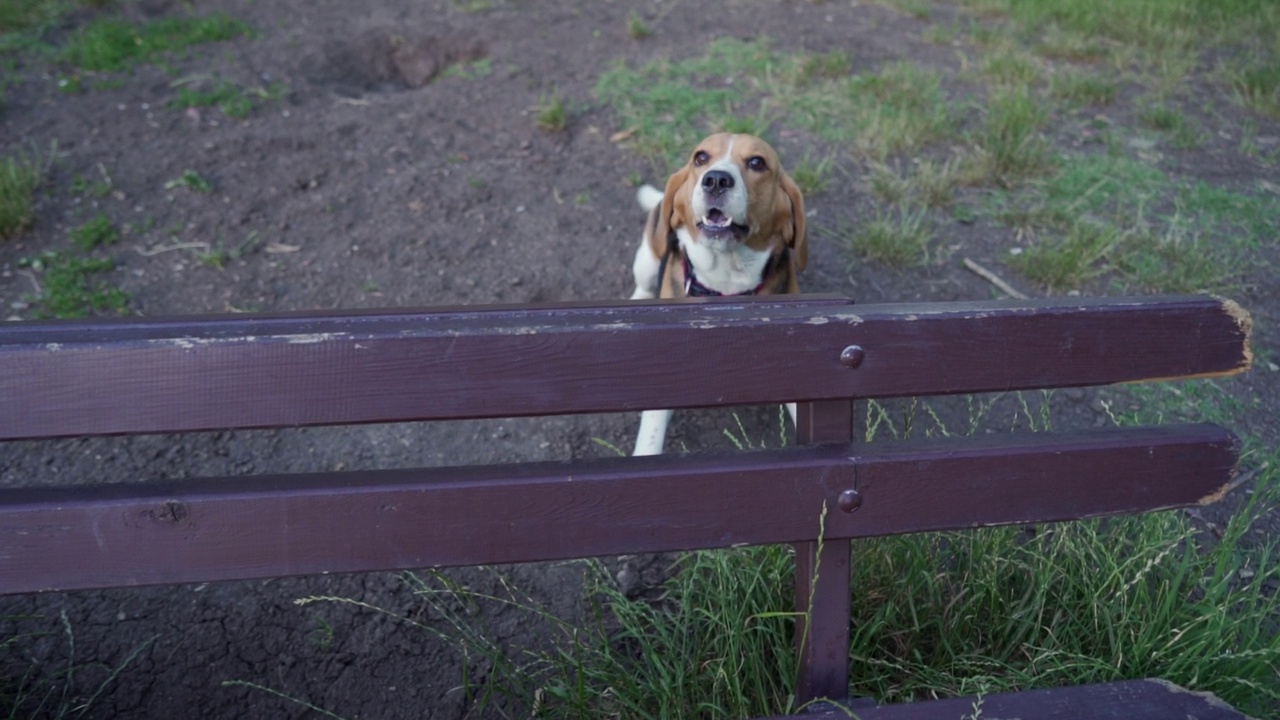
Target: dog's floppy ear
(668, 212)
(797, 238)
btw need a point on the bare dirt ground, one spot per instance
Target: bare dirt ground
(375, 181)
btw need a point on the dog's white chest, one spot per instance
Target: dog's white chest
(732, 270)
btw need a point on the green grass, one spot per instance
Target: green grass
(1163, 43)
(95, 232)
(471, 6)
(218, 255)
(81, 185)
(110, 44)
(550, 114)
(919, 9)
(898, 236)
(1057, 43)
(942, 34)
(888, 185)
(1112, 215)
(1256, 83)
(811, 176)
(927, 181)
(992, 610)
(637, 28)
(1183, 133)
(1011, 139)
(233, 100)
(21, 175)
(71, 287)
(1152, 25)
(669, 105)
(831, 65)
(1011, 67)
(899, 109)
(472, 70)
(1067, 262)
(17, 16)
(226, 96)
(1080, 88)
(716, 647)
(720, 648)
(191, 180)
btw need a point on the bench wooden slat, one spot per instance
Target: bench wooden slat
(139, 376)
(822, 581)
(1123, 700)
(267, 526)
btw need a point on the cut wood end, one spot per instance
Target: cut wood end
(1209, 698)
(1217, 495)
(1245, 323)
(1237, 479)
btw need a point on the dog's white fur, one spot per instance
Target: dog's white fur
(645, 267)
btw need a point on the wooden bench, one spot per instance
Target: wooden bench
(105, 377)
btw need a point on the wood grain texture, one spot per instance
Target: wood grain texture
(268, 526)
(1124, 700)
(224, 372)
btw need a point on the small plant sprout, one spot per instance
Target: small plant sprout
(551, 115)
(191, 180)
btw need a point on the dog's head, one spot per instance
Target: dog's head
(734, 190)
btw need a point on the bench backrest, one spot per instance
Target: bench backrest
(105, 377)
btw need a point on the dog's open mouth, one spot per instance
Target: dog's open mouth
(716, 224)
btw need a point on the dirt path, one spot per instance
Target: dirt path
(379, 177)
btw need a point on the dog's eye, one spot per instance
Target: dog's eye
(758, 164)
(701, 157)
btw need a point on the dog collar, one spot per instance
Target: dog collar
(693, 288)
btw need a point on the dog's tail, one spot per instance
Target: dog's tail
(649, 197)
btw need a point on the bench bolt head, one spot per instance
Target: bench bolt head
(851, 357)
(849, 500)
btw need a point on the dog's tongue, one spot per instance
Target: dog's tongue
(716, 218)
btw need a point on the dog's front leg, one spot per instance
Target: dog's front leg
(645, 271)
(653, 432)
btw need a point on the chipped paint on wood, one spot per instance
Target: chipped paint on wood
(312, 338)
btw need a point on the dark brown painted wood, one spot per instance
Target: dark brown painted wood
(1124, 700)
(268, 526)
(822, 575)
(135, 376)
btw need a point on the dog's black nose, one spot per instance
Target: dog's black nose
(715, 182)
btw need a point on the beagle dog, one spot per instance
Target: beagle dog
(730, 222)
